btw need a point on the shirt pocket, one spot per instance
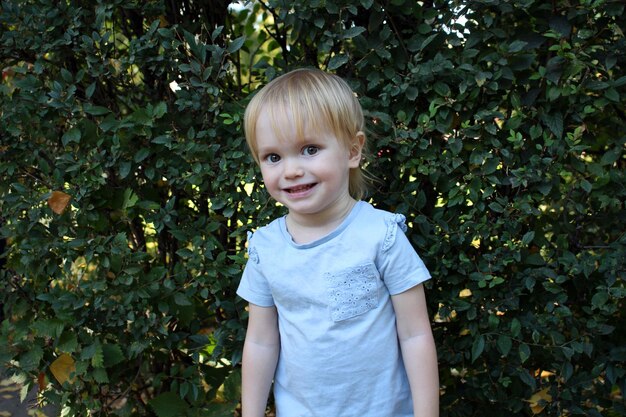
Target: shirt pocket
(352, 291)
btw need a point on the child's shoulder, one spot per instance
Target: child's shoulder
(267, 231)
(265, 237)
(376, 216)
(269, 235)
(382, 223)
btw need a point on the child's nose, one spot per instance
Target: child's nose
(292, 168)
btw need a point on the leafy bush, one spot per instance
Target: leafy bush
(497, 128)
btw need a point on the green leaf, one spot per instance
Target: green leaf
(236, 44)
(68, 342)
(527, 378)
(168, 404)
(534, 259)
(109, 123)
(130, 199)
(427, 41)
(610, 157)
(162, 140)
(67, 76)
(90, 90)
(504, 344)
(599, 299)
(141, 116)
(353, 32)
(528, 237)
(586, 185)
(159, 110)
(497, 207)
(516, 328)
(49, 328)
(596, 85)
(442, 89)
(517, 46)
(216, 32)
(411, 93)
(95, 110)
(181, 299)
(337, 61)
(124, 169)
(190, 38)
(97, 360)
(141, 154)
(477, 347)
(554, 122)
(612, 95)
(232, 387)
(524, 352)
(100, 376)
(72, 135)
(112, 354)
(482, 77)
(29, 361)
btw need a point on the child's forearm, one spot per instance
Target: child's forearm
(258, 367)
(420, 360)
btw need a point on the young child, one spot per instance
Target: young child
(337, 314)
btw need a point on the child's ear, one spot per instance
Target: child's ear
(356, 149)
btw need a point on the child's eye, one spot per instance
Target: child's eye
(272, 158)
(310, 150)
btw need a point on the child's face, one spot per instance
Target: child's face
(310, 176)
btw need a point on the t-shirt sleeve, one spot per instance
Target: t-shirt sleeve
(254, 287)
(400, 266)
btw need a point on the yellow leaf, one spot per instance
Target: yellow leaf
(539, 400)
(58, 201)
(62, 368)
(465, 293)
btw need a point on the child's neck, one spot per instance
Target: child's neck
(307, 228)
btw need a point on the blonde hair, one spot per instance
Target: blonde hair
(317, 100)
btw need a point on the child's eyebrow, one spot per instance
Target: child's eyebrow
(264, 151)
(268, 149)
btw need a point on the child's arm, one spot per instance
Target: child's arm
(260, 356)
(418, 350)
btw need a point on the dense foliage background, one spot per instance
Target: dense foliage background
(498, 127)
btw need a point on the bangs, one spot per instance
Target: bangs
(296, 113)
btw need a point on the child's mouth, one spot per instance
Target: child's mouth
(300, 188)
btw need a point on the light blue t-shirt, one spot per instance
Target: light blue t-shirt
(339, 354)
